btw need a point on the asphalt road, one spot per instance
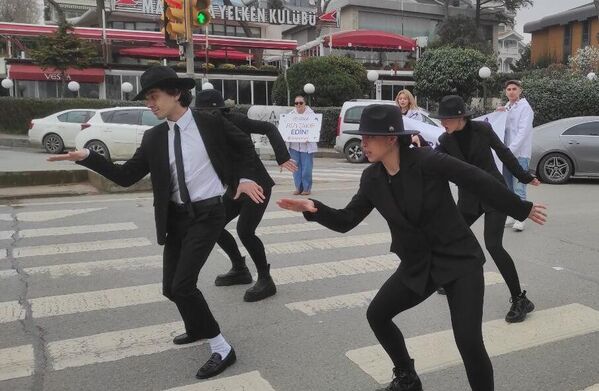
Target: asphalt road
(80, 303)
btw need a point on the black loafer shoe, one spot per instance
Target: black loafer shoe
(216, 365)
(234, 277)
(185, 339)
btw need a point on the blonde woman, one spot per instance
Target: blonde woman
(407, 103)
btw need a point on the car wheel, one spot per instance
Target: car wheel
(98, 147)
(555, 168)
(53, 143)
(353, 152)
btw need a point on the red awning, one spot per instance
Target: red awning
(33, 72)
(24, 30)
(370, 40)
(166, 52)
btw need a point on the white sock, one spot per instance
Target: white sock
(219, 345)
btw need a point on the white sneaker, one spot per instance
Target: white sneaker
(518, 226)
(509, 221)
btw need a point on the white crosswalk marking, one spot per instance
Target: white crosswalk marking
(436, 351)
(322, 244)
(315, 178)
(592, 388)
(3, 253)
(7, 273)
(251, 381)
(286, 228)
(69, 248)
(53, 214)
(357, 300)
(4, 235)
(5, 217)
(16, 362)
(77, 229)
(43, 307)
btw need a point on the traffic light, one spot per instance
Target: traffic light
(201, 15)
(174, 20)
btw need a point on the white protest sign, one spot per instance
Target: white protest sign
(300, 128)
(430, 133)
(497, 121)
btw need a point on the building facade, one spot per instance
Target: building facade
(557, 37)
(510, 45)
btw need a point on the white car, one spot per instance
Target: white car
(58, 131)
(117, 132)
(349, 119)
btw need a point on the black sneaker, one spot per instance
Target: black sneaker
(520, 307)
(264, 287)
(406, 379)
(235, 276)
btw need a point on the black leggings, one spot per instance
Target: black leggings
(465, 298)
(493, 233)
(250, 214)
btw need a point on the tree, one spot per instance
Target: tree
(501, 10)
(63, 50)
(321, 8)
(460, 31)
(525, 61)
(337, 79)
(22, 11)
(585, 60)
(445, 71)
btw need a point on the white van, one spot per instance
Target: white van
(349, 119)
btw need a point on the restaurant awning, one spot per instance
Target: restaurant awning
(166, 52)
(370, 40)
(34, 72)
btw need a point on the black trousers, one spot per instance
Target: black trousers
(250, 214)
(188, 244)
(493, 234)
(465, 298)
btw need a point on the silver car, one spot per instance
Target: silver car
(565, 148)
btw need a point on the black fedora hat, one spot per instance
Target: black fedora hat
(162, 77)
(382, 120)
(452, 106)
(210, 99)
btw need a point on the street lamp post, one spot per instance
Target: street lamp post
(126, 88)
(484, 73)
(373, 76)
(207, 86)
(73, 86)
(8, 84)
(309, 89)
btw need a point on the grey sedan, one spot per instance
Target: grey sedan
(565, 148)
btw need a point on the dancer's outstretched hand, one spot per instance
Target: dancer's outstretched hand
(297, 205)
(538, 214)
(74, 156)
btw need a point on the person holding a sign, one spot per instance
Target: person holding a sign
(410, 189)
(472, 142)
(518, 138)
(249, 213)
(302, 153)
(407, 103)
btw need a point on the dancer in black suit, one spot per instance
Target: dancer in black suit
(472, 142)
(409, 187)
(250, 213)
(189, 159)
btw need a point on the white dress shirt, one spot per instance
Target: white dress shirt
(518, 128)
(310, 147)
(200, 176)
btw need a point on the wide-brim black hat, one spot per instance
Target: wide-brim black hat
(162, 77)
(382, 120)
(452, 106)
(210, 99)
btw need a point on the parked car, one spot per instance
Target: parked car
(565, 148)
(117, 132)
(349, 119)
(58, 131)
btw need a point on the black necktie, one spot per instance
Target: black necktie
(183, 192)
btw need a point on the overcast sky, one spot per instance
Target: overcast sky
(542, 8)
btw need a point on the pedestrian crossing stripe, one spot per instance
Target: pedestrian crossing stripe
(251, 381)
(356, 300)
(285, 229)
(78, 247)
(5, 217)
(4, 235)
(76, 230)
(16, 362)
(315, 178)
(322, 244)
(437, 351)
(592, 388)
(47, 215)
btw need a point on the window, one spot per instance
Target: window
(149, 119)
(230, 91)
(586, 33)
(245, 92)
(567, 42)
(352, 115)
(585, 129)
(127, 117)
(76, 117)
(259, 92)
(118, 25)
(113, 87)
(269, 86)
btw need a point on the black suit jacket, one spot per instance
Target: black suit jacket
(221, 139)
(483, 140)
(250, 126)
(432, 239)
